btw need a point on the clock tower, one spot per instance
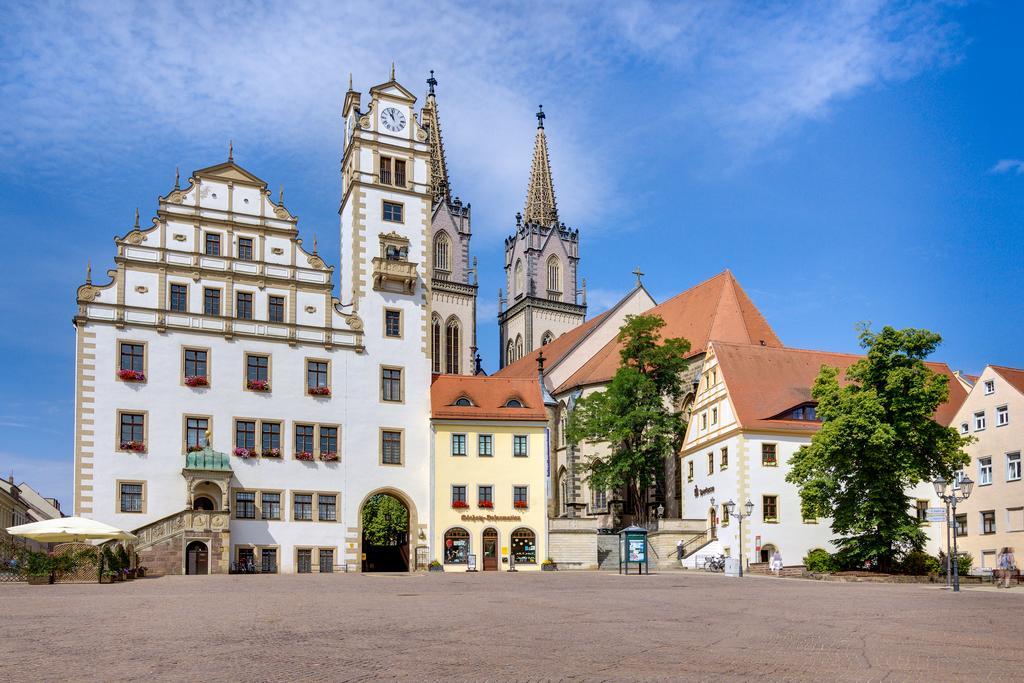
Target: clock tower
(541, 268)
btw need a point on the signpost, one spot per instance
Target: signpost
(471, 563)
(935, 514)
(633, 548)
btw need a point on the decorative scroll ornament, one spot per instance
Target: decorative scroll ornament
(355, 322)
(315, 261)
(310, 309)
(179, 238)
(135, 237)
(87, 293)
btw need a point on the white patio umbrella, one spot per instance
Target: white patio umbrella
(70, 529)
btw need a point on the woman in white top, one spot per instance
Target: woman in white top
(776, 565)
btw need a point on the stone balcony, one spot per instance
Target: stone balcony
(393, 275)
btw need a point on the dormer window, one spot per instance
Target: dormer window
(463, 402)
(808, 412)
(513, 403)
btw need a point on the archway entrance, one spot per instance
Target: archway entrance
(202, 503)
(197, 558)
(385, 522)
(766, 552)
(490, 549)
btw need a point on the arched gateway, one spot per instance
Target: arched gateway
(386, 519)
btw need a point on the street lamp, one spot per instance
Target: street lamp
(730, 510)
(965, 488)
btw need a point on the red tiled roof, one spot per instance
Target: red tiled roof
(554, 351)
(716, 309)
(1012, 375)
(764, 382)
(488, 395)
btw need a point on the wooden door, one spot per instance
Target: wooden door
(490, 550)
(197, 560)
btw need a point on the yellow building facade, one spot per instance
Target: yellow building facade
(490, 451)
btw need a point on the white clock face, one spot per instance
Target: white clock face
(392, 119)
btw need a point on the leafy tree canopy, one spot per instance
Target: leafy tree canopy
(636, 414)
(877, 440)
(385, 520)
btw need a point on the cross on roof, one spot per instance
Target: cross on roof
(639, 274)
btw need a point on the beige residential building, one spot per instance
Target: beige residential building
(993, 517)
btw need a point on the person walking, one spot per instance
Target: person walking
(776, 565)
(1007, 566)
(679, 549)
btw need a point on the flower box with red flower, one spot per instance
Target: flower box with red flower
(329, 456)
(319, 391)
(197, 381)
(521, 505)
(194, 448)
(489, 504)
(304, 455)
(245, 452)
(258, 385)
(131, 375)
(134, 446)
(271, 452)
(459, 504)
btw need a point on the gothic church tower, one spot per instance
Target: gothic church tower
(541, 268)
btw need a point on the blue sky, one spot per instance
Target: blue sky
(849, 161)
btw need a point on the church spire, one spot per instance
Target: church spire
(438, 165)
(540, 195)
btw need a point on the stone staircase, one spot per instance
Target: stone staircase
(162, 544)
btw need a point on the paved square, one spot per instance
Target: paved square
(542, 626)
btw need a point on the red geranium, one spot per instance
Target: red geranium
(486, 504)
(304, 455)
(258, 385)
(520, 504)
(319, 391)
(133, 446)
(132, 375)
(459, 504)
(329, 456)
(197, 381)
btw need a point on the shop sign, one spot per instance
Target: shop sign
(698, 492)
(492, 518)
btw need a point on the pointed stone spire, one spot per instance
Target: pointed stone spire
(392, 71)
(540, 195)
(88, 272)
(439, 183)
(136, 218)
(231, 150)
(177, 178)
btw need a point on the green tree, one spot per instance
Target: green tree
(878, 438)
(385, 520)
(636, 415)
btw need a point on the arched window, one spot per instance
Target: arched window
(520, 279)
(546, 338)
(442, 253)
(510, 351)
(563, 423)
(463, 402)
(563, 493)
(435, 344)
(452, 346)
(524, 546)
(554, 275)
(519, 346)
(513, 403)
(456, 546)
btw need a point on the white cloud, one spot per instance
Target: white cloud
(1008, 166)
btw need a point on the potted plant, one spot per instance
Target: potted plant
(134, 446)
(319, 391)
(197, 381)
(435, 566)
(244, 452)
(39, 568)
(489, 504)
(329, 456)
(548, 565)
(304, 455)
(258, 385)
(460, 504)
(131, 375)
(271, 452)
(521, 505)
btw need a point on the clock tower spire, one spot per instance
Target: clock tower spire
(540, 194)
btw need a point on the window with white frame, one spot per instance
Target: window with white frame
(984, 471)
(964, 428)
(458, 444)
(1013, 466)
(1002, 416)
(979, 420)
(990, 387)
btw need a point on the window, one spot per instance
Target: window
(246, 557)
(452, 346)
(391, 447)
(393, 212)
(245, 248)
(485, 445)
(711, 463)
(519, 349)
(459, 496)
(768, 455)
(195, 433)
(435, 344)
(245, 434)
(598, 501)
(979, 420)
(520, 279)
(520, 446)
(195, 363)
(714, 416)
(770, 506)
(988, 522)
(131, 497)
(804, 413)
(327, 507)
(275, 309)
(960, 525)
(133, 431)
(304, 561)
(270, 437)
(458, 444)
(990, 387)
(1015, 519)
(689, 470)
(513, 403)
(133, 357)
(257, 368)
(520, 497)
(1002, 416)
(212, 244)
(456, 546)
(704, 420)
(385, 170)
(463, 402)
(392, 323)
(724, 462)
(386, 177)
(245, 505)
(211, 301)
(554, 276)
(268, 560)
(984, 471)
(243, 306)
(442, 253)
(485, 496)
(510, 353)
(326, 560)
(271, 504)
(303, 439)
(302, 507)
(921, 508)
(328, 441)
(391, 384)
(725, 515)
(1013, 466)
(399, 173)
(964, 427)
(524, 546)
(316, 376)
(179, 298)
(546, 338)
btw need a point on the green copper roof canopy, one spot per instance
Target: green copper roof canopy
(208, 460)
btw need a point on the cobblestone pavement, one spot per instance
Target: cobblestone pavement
(542, 626)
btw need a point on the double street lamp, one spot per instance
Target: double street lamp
(959, 492)
(730, 511)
